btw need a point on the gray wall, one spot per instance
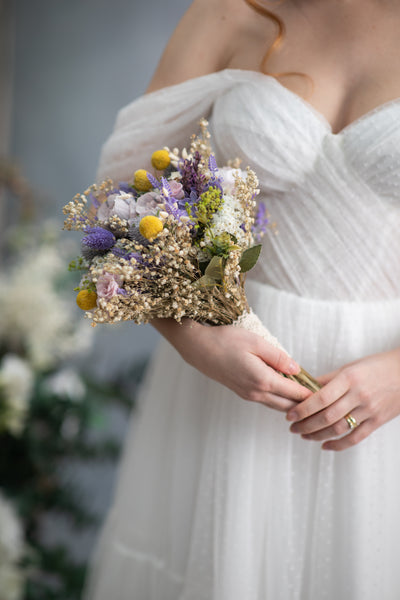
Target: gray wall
(77, 62)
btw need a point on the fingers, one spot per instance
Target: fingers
(276, 391)
(355, 437)
(273, 389)
(276, 358)
(289, 389)
(331, 423)
(331, 417)
(277, 402)
(339, 427)
(319, 401)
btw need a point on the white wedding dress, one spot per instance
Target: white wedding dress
(216, 499)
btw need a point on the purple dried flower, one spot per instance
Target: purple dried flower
(171, 204)
(124, 186)
(108, 285)
(111, 192)
(173, 207)
(191, 178)
(166, 188)
(212, 164)
(176, 189)
(193, 197)
(154, 182)
(261, 221)
(92, 198)
(121, 253)
(97, 241)
(215, 179)
(98, 238)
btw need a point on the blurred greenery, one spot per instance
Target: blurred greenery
(30, 473)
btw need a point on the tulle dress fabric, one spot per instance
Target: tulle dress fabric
(216, 499)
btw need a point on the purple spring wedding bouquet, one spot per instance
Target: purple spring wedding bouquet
(173, 243)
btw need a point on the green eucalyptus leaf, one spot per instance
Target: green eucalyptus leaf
(215, 268)
(206, 281)
(249, 258)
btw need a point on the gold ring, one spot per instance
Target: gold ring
(352, 423)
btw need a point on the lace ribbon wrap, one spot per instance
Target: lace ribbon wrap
(249, 321)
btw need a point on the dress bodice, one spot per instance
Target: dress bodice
(335, 198)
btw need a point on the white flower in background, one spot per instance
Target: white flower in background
(66, 383)
(12, 578)
(229, 219)
(34, 316)
(16, 382)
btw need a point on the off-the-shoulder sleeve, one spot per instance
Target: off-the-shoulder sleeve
(167, 117)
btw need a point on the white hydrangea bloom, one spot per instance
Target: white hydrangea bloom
(228, 219)
(33, 313)
(16, 382)
(66, 382)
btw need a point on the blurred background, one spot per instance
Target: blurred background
(66, 390)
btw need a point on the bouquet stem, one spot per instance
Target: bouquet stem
(305, 379)
(249, 321)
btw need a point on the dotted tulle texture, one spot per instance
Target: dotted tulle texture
(216, 499)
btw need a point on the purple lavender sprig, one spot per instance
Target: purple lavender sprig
(171, 205)
(215, 179)
(154, 181)
(191, 177)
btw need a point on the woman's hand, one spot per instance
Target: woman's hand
(242, 361)
(369, 389)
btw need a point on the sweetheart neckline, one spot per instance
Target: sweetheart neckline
(311, 109)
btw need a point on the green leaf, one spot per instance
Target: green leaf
(249, 258)
(215, 268)
(206, 281)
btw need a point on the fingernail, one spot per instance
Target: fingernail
(291, 416)
(293, 368)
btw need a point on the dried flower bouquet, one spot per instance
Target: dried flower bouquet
(176, 243)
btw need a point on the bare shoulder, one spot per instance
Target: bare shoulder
(202, 42)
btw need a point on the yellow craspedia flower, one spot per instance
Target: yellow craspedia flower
(150, 227)
(140, 181)
(86, 300)
(160, 160)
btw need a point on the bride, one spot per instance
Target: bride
(232, 486)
